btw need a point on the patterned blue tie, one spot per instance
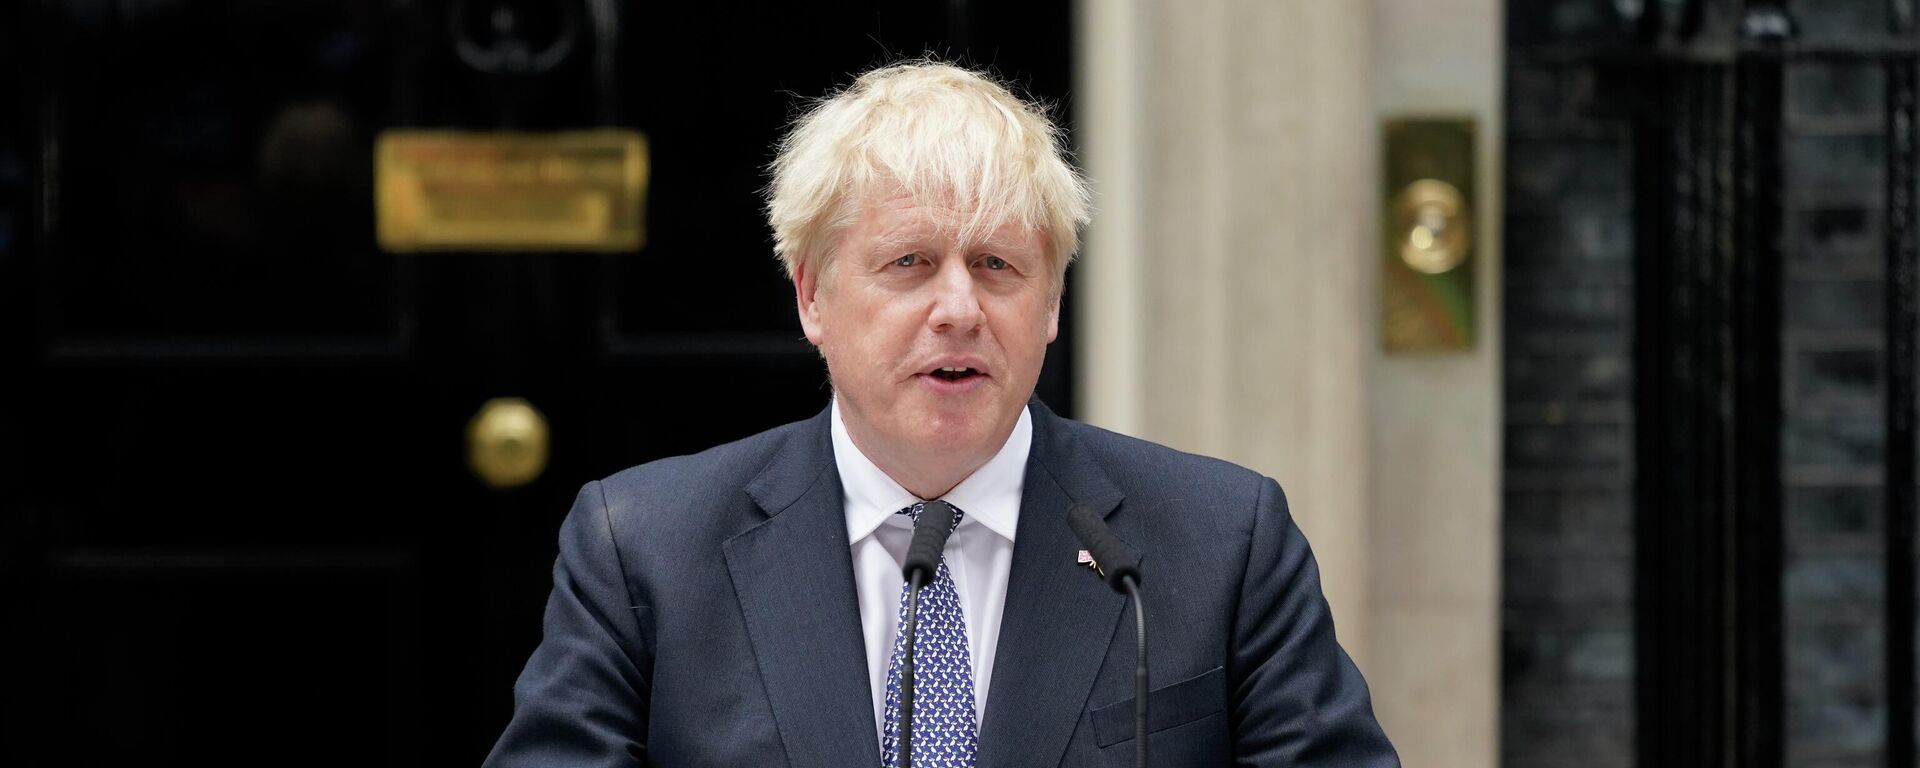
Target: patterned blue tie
(943, 726)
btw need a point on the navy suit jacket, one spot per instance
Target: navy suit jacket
(703, 614)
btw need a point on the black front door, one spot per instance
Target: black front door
(240, 523)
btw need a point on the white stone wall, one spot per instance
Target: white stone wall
(1229, 306)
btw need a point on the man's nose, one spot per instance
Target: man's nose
(955, 306)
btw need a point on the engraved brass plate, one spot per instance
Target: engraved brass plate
(1427, 236)
(473, 191)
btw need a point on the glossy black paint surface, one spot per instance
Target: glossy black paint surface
(236, 526)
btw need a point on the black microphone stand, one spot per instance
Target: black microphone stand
(1117, 566)
(1132, 586)
(930, 531)
(906, 671)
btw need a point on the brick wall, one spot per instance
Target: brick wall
(1567, 612)
(1833, 384)
(1567, 615)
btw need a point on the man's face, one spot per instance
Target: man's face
(934, 345)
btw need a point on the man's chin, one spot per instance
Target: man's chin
(960, 434)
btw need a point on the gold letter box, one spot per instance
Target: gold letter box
(483, 191)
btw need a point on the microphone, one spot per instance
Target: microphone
(1122, 573)
(930, 532)
(1115, 561)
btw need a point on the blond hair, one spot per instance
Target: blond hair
(943, 135)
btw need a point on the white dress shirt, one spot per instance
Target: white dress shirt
(978, 555)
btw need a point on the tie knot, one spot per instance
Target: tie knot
(914, 513)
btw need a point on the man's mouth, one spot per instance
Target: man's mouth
(954, 374)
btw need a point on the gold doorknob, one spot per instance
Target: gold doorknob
(1430, 218)
(507, 443)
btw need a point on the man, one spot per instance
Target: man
(742, 606)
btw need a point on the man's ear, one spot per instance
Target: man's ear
(1053, 319)
(806, 286)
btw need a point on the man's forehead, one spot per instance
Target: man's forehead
(903, 219)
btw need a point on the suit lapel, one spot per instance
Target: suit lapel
(793, 576)
(1059, 616)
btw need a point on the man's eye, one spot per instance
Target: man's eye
(907, 260)
(994, 262)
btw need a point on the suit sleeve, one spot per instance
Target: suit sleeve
(1297, 699)
(582, 698)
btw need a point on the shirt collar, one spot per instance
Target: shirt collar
(989, 496)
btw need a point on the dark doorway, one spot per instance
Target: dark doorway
(1710, 383)
(238, 524)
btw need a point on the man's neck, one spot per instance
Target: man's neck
(926, 478)
(925, 474)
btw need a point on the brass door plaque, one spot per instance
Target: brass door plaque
(482, 191)
(1427, 228)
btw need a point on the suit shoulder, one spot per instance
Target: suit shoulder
(1115, 449)
(1152, 473)
(680, 482)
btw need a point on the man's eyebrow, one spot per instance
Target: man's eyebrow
(908, 235)
(999, 243)
(999, 240)
(916, 235)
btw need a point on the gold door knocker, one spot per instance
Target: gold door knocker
(507, 443)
